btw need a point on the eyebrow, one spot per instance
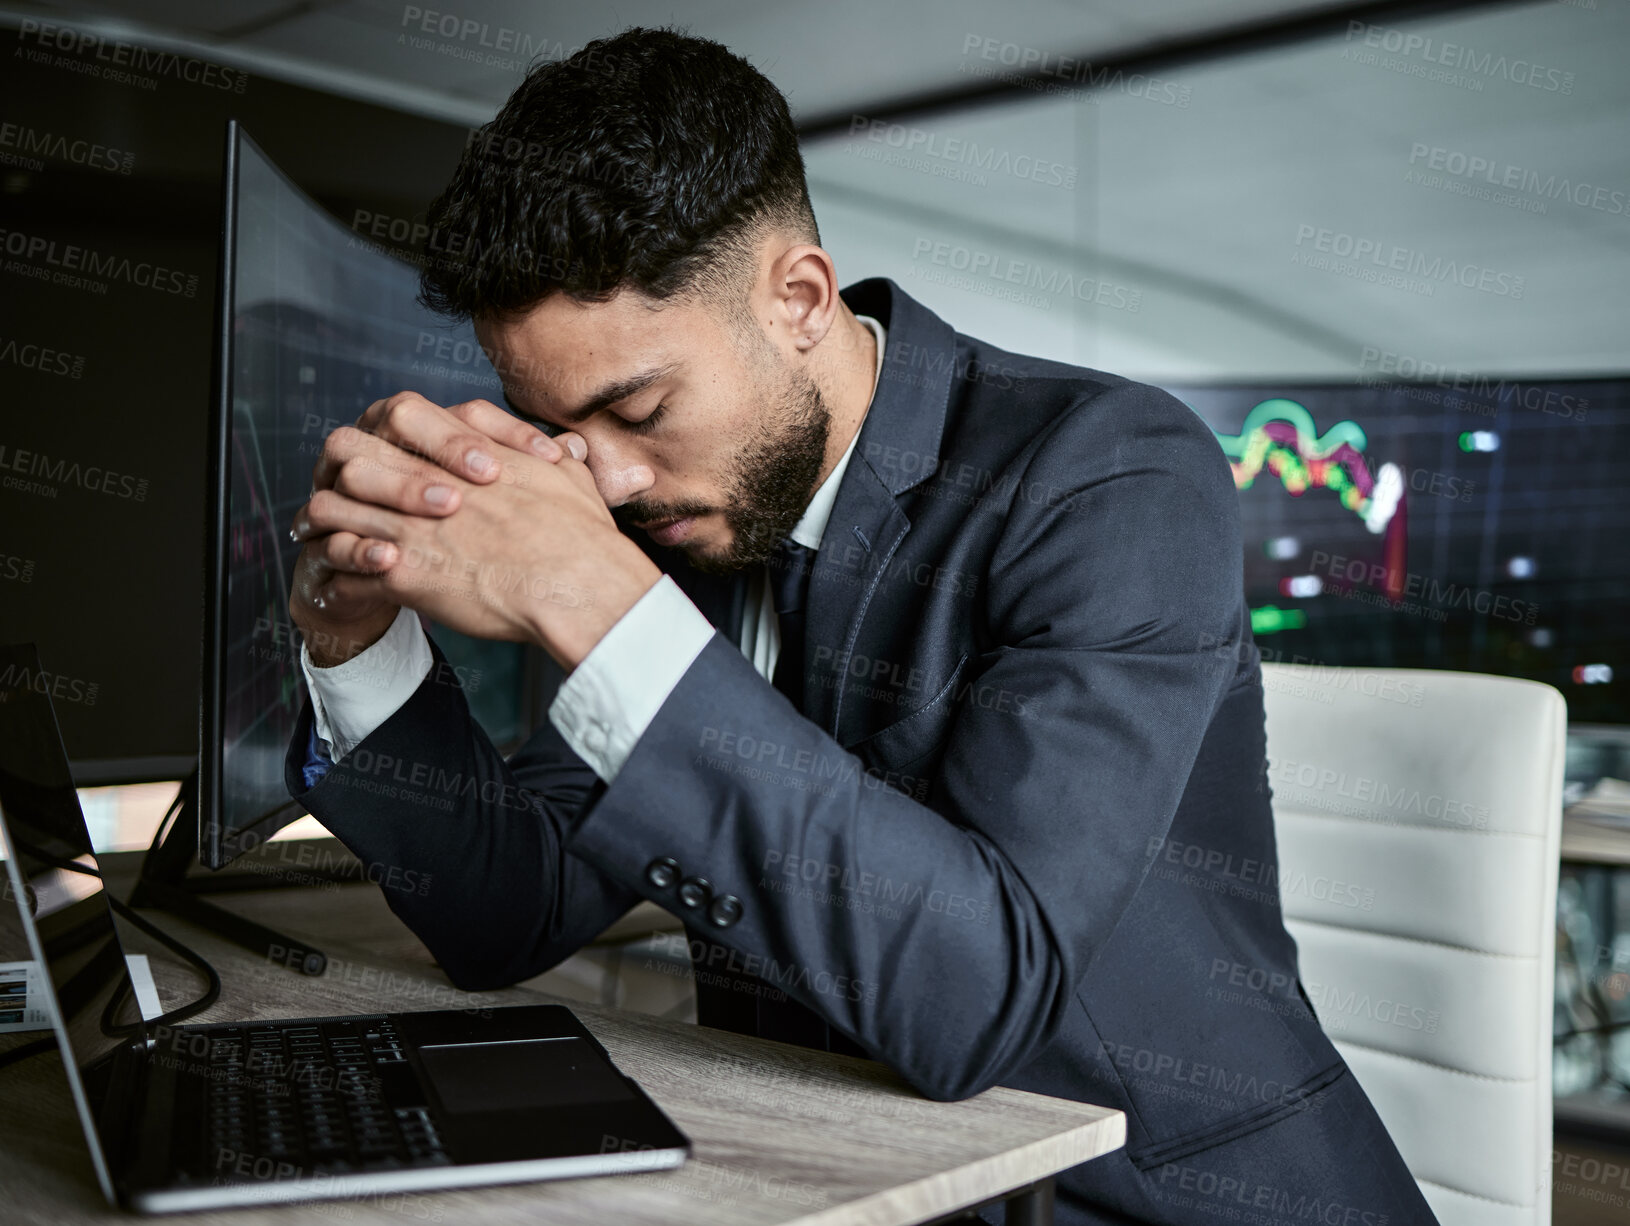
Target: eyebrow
(610, 393)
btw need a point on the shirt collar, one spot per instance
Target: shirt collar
(809, 530)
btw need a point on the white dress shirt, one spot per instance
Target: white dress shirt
(606, 703)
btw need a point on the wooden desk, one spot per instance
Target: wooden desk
(781, 1134)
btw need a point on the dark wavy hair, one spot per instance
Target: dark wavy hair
(651, 160)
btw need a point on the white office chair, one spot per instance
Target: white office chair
(1418, 817)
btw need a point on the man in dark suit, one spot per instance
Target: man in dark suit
(926, 696)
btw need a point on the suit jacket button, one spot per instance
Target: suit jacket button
(694, 892)
(726, 910)
(662, 873)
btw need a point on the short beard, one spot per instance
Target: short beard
(773, 478)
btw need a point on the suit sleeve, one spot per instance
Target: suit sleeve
(1105, 604)
(467, 848)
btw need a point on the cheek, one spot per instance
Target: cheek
(702, 453)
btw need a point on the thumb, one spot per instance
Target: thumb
(574, 443)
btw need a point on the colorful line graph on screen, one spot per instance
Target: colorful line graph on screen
(1279, 435)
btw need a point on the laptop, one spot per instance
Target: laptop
(250, 1113)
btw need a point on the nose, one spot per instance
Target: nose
(617, 476)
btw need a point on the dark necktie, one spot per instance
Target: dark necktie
(789, 568)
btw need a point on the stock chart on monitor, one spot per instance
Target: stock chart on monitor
(322, 325)
(1464, 522)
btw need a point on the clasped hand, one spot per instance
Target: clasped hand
(468, 515)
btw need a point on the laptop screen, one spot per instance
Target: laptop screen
(57, 912)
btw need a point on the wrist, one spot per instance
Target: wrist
(330, 644)
(572, 619)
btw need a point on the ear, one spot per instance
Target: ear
(801, 297)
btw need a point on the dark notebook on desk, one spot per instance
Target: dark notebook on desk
(245, 1113)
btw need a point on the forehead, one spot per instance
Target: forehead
(561, 352)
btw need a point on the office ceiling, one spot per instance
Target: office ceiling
(1204, 214)
(825, 57)
(1205, 224)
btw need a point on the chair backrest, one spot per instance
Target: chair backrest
(1418, 816)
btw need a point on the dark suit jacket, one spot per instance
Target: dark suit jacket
(1021, 834)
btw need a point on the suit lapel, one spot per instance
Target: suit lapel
(898, 448)
(867, 525)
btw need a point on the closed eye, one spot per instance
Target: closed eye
(647, 423)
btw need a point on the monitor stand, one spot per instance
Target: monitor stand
(164, 885)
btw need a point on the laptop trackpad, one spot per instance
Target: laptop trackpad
(520, 1074)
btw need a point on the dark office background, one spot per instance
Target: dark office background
(114, 582)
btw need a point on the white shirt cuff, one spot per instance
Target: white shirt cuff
(350, 700)
(607, 702)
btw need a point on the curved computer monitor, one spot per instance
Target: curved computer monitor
(314, 324)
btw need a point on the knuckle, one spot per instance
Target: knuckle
(322, 507)
(342, 441)
(401, 409)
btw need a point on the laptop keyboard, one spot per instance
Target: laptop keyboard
(311, 1094)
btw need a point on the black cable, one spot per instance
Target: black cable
(27, 1049)
(210, 995)
(164, 822)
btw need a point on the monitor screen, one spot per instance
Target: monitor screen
(1470, 524)
(317, 325)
